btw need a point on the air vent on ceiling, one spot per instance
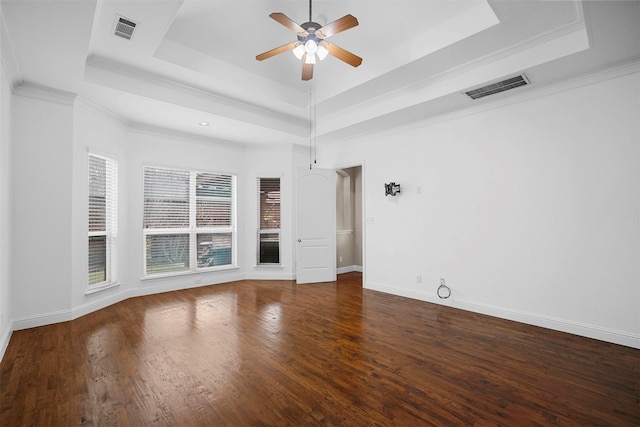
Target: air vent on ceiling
(501, 86)
(124, 27)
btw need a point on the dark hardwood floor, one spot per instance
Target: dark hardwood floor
(257, 353)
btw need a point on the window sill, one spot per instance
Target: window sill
(269, 266)
(100, 288)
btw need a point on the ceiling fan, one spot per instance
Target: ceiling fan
(312, 41)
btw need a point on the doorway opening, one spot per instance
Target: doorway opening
(349, 248)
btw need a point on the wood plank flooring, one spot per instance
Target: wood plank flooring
(258, 353)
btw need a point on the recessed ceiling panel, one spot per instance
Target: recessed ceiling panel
(194, 60)
(234, 32)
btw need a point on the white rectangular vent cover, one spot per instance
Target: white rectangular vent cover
(501, 86)
(124, 27)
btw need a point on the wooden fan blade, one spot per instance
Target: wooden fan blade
(307, 71)
(290, 24)
(335, 27)
(343, 55)
(273, 52)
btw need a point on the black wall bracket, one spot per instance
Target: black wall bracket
(391, 189)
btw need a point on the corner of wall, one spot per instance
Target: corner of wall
(9, 75)
(5, 337)
(7, 55)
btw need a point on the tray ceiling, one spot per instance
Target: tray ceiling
(193, 60)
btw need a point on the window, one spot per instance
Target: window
(268, 220)
(189, 220)
(103, 220)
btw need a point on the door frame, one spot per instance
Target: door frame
(354, 164)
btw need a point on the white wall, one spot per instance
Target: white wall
(5, 209)
(96, 132)
(156, 148)
(269, 162)
(529, 211)
(53, 134)
(134, 148)
(42, 154)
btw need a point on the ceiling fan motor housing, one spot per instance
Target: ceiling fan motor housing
(310, 27)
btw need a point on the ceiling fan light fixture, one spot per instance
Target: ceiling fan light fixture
(322, 52)
(311, 47)
(298, 51)
(310, 58)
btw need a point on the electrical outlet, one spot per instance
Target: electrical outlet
(419, 279)
(340, 259)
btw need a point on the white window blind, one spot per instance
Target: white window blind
(103, 220)
(268, 221)
(189, 220)
(166, 198)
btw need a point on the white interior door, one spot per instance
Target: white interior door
(316, 226)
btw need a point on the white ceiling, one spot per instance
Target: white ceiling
(194, 60)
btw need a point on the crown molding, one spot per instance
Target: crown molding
(7, 56)
(45, 93)
(289, 147)
(366, 129)
(577, 26)
(573, 33)
(225, 106)
(156, 131)
(90, 106)
(610, 73)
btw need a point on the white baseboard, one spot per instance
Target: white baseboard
(36, 320)
(270, 275)
(349, 269)
(170, 284)
(577, 328)
(99, 302)
(5, 338)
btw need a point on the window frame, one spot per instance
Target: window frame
(192, 230)
(262, 231)
(110, 231)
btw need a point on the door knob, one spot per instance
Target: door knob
(299, 240)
